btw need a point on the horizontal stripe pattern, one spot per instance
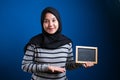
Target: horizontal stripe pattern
(36, 60)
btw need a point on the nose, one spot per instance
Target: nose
(50, 23)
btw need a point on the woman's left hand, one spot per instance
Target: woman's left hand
(88, 64)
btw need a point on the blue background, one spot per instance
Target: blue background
(86, 22)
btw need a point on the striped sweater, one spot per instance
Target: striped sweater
(36, 61)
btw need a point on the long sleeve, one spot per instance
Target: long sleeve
(29, 64)
(70, 64)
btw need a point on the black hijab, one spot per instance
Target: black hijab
(49, 41)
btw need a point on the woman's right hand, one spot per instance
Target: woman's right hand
(56, 69)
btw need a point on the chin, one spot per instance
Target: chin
(51, 32)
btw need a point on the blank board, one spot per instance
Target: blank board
(86, 54)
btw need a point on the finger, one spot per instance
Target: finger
(85, 65)
(89, 64)
(53, 70)
(60, 69)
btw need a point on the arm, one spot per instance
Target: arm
(70, 64)
(28, 63)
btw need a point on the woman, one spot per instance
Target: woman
(48, 55)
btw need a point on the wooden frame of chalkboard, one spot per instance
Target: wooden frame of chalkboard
(86, 54)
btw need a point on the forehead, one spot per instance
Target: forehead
(49, 15)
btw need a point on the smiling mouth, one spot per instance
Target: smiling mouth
(50, 28)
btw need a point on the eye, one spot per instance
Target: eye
(53, 20)
(45, 21)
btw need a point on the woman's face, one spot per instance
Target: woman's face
(50, 23)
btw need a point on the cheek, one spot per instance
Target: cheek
(57, 28)
(57, 25)
(45, 27)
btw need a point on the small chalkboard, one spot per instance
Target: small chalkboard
(86, 54)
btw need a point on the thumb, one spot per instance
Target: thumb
(52, 70)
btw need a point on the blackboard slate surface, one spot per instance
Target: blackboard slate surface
(86, 54)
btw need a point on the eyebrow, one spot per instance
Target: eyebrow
(52, 18)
